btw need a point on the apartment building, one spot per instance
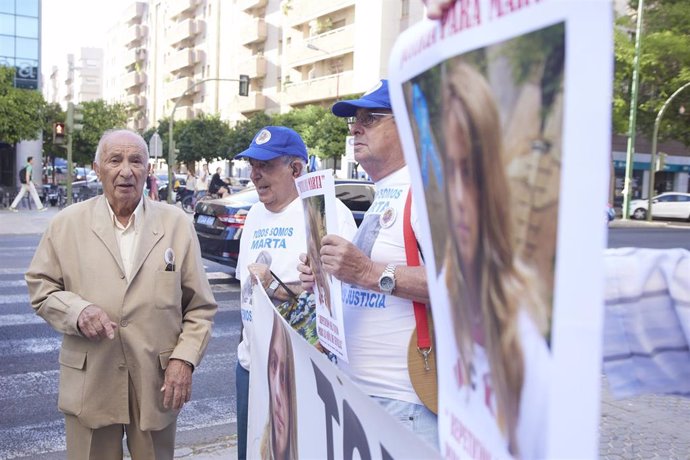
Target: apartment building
(186, 55)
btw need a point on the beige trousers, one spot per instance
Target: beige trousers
(106, 443)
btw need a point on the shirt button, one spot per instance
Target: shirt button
(121, 366)
(124, 323)
(122, 276)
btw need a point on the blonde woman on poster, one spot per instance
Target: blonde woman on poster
(279, 441)
(502, 364)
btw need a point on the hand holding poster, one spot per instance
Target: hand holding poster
(317, 191)
(302, 406)
(498, 122)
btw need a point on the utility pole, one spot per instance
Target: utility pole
(652, 160)
(74, 119)
(632, 123)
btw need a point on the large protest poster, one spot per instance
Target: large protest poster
(302, 406)
(317, 191)
(504, 114)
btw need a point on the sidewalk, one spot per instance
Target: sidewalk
(25, 221)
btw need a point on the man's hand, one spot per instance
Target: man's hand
(95, 324)
(306, 276)
(345, 261)
(436, 8)
(261, 271)
(177, 387)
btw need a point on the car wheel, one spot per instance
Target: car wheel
(640, 214)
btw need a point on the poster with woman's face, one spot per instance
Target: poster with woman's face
(482, 101)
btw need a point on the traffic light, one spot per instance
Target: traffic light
(58, 133)
(244, 85)
(74, 117)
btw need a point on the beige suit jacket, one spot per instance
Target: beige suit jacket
(160, 314)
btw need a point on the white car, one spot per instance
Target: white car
(669, 205)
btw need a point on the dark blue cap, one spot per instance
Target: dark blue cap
(375, 98)
(274, 141)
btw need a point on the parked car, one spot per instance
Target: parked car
(82, 173)
(218, 222)
(669, 205)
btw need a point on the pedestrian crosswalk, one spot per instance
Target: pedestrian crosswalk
(31, 425)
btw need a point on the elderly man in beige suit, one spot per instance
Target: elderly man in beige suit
(121, 277)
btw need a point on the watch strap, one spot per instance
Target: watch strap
(272, 287)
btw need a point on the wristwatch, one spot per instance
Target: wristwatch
(387, 279)
(272, 287)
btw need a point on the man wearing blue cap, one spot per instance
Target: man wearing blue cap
(374, 266)
(273, 237)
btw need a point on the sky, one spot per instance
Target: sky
(72, 24)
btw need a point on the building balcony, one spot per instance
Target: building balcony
(319, 89)
(324, 46)
(309, 10)
(134, 13)
(246, 5)
(187, 29)
(253, 31)
(134, 56)
(185, 59)
(178, 8)
(135, 35)
(254, 67)
(252, 103)
(176, 88)
(136, 100)
(133, 79)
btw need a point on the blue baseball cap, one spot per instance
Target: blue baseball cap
(375, 98)
(274, 141)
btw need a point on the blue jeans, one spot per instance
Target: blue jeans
(242, 389)
(416, 417)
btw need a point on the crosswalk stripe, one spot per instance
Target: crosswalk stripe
(32, 384)
(20, 319)
(12, 283)
(20, 347)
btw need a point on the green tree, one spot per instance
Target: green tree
(202, 138)
(21, 110)
(242, 133)
(99, 116)
(664, 67)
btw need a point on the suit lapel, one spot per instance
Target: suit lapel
(102, 226)
(151, 232)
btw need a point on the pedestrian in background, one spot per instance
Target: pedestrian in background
(152, 183)
(121, 277)
(27, 186)
(202, 183)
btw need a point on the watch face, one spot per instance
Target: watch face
(387, 284)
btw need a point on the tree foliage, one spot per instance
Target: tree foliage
(21, 110)
(203, 138)
(664, 67)
(99, 117)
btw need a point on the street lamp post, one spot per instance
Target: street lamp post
(652, 160)
(627, 188)
(171, 140)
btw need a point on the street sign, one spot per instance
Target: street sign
(155, 146)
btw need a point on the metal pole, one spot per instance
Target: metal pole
(627, 189)
(69, 125)
(171, 141)
(652, 160)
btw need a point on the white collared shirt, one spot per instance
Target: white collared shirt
(128, 236)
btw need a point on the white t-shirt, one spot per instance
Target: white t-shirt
(379, 326)
(276, 239)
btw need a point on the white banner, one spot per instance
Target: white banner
(302, 406)
(504, 114)
(317, 191)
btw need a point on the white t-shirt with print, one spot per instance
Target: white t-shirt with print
(277, 239)
(379, 326)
